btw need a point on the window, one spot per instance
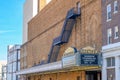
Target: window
(110, 62)
(116, 32)
(109, 36)
(18, 66)
(18, 55)
(108, 12)
(115, 7)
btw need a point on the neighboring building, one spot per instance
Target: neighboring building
(58, 37)
(2, 72)
(13, 62)
(29, 11)
(111, 39)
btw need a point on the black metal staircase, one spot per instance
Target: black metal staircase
(53, 53)
(65, 34)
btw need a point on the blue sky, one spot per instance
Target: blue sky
(11, 14)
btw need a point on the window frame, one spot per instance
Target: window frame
(109, 12)
(111, 61)
(116, 32)
(115, 5)
(109, 36)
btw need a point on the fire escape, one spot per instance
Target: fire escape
(65, 34)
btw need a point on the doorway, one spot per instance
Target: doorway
(93, 75)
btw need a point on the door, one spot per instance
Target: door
(93, 75)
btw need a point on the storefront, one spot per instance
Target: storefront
(111, 59)
(79, 65)
(87, 59)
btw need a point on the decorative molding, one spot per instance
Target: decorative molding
(111, 47)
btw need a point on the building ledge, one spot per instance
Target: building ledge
(111, 47)
(41, 68)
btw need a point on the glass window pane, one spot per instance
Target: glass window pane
(116, 32)
(108, 11)
(115, 6)
(113, 61)
(109, 36)
(108, 62)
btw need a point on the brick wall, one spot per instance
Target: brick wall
(47, 25)
(110, 24)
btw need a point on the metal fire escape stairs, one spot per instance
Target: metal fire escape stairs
(65, 34)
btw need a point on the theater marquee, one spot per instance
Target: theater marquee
(89, 59)
(87, 56)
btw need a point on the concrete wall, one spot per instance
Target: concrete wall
(31, 8)
(29, 11)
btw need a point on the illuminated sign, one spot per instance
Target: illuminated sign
(70, 57)
(88, 50)
(70, 51)
(89, 59)
(89, 56)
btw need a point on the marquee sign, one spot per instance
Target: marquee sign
(70, 57)
(70, 51)
(88, 50)
(89, 59)
(87, 56)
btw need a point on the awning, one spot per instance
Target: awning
(41, 68)
(69, 63)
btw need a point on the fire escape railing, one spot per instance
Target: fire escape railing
(65, 34)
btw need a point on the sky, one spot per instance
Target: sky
(11, 18)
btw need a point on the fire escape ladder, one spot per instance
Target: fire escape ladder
(66, 31)
(53, 53)
(65, 34)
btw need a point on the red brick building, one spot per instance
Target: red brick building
(111, 39)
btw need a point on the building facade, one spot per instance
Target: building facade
(111, 39)
(2, 69)
(4, 72)
(13, 62)
(59, 25)
(30, 9)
